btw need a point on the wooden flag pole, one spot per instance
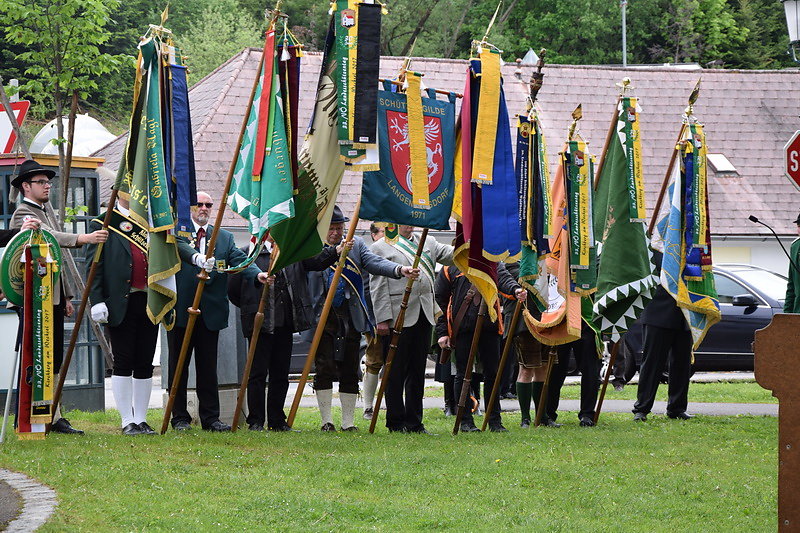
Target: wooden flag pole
(465, 386)
(665, 183)
(688, 113)
(326, 309)
(506, 349)
(611, 360)
(609, 136)
(258, 321)
(396, 332)
(551, 357)
(194, 310)
(73, 338)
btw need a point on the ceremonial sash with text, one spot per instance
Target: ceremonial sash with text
(578, 171)
(127, 228)
(409, 250)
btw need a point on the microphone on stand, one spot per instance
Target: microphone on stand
(755, 219)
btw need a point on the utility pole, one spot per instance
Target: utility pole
(624, 5)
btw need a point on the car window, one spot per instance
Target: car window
(728, 288)
(771, 284)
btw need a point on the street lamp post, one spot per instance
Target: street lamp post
(792, 11)
(623, 4)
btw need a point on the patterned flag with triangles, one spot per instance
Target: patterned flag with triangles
(625, 278)
(262, 186)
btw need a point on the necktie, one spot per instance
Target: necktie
(201, 233)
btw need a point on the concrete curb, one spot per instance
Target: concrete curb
(38, 501)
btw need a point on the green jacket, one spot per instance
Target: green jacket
(792, 303)
(112, 281)
(214, 303)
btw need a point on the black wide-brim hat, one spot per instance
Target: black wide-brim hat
(338, 216)
(29, 169)
(797, 220)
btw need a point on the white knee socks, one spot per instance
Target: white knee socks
(122, 388)
(370, 386)
(141, 398)
(324, 398)
(348, 400)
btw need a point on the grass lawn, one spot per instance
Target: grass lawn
(722, 392)
(709, 474)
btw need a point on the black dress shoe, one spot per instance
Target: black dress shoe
(132, 429)
(420, 429)
(497, 427)
(548, 422)
(328, 427)
(469, 427)
(62, 425)
(587, 421)
(639, 417)
(351, 428)
(526, 423)
(283, 427)
(680, 416)
(146, 429)
(217, 426)
(181, 425)
(255, 427)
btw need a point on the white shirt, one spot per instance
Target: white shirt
(201, 244)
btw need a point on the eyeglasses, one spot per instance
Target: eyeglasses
(43, 183)
(208, 205)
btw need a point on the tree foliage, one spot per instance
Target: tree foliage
(99, 53)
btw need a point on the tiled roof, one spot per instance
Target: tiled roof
(748, 116)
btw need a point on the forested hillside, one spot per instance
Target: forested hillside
(748, 34)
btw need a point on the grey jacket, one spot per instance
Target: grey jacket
(367, 262)
(65, 240)
(387, 294)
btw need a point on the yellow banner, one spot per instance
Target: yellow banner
(416, 143)
(488, 108)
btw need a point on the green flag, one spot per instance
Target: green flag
(625, 279)
(264, 197)
(318, 181)
(142, 179)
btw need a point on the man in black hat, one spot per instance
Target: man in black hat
(792, 303)
(34, 182)
(337, 357)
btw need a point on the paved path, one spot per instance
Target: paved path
(38, 501)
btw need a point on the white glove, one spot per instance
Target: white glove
(200, 261)
(100, 313)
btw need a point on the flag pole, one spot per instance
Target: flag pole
(465, 386)
(397, 330)
(194, 310)
(551, 356)
(692, 99)
(624, 86)
(665, 183)
(9, 392)
(326, 309)
(611, 360)
(73, 338)
(506, 349)
(258, 321)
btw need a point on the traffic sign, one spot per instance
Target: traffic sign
(7, 135)
(791, 160)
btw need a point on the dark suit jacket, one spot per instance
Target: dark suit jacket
(214, 303)
(662, 311)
